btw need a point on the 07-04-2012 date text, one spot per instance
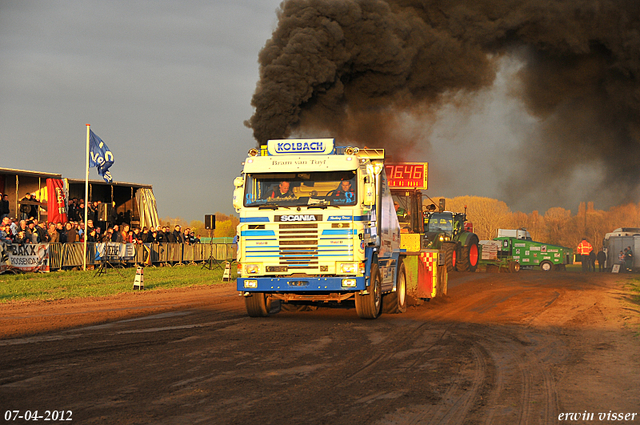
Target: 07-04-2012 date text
(35, 415)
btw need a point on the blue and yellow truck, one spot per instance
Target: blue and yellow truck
(318, 225)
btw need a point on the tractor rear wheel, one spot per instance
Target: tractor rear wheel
(468, 260)
(449, 250)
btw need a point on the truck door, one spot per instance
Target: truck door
(389, 251)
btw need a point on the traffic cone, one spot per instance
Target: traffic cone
(227, 272)
(138, 282)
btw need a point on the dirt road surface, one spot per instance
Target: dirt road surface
(526, 348)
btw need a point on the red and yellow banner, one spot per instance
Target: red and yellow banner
(56, 201)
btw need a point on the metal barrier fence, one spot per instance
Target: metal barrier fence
(67, 255)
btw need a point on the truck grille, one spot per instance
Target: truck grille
(298, 245)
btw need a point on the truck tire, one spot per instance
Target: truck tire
(256, 305)
(546, 266)
(449, 251)
(514, 267)
(369, 305)
(396, 302)
(468, 259)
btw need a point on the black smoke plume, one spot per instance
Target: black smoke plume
(352, 69)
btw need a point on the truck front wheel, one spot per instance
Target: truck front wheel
(396, 302)
(369, 305)
(256, 305)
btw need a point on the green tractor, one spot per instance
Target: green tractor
(453, 235)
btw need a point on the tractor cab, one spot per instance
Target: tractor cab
(408, 205)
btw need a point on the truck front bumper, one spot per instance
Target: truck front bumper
(302, 284)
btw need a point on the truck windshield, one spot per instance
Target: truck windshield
(440, 222)
(322, 189)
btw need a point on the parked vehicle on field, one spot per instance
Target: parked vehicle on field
(616, 241)
(518, 245)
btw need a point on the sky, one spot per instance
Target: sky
(167, 85)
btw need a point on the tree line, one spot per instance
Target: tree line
(225, 225)
(557, 226)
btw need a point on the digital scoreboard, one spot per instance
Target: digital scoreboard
(407, 175)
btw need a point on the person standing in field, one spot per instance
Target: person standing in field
(628, 259)
(602, 259)
(592, 261)
(584, 249)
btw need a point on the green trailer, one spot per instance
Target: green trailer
(531, 254)
(514, 249)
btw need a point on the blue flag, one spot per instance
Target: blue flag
(100, 156)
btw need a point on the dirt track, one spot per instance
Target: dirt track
(500, 349)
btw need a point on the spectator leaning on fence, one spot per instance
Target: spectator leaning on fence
(125, 233)
(14, 227)
(21, 238)
(3, 235)
(42, 232)
(137, 236)
(71, 233)
(32, 233)
(92, 236)
(54, 236)
(151, 237)
(160, 235)
(24, 229)
(178, 234)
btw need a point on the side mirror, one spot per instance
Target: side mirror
(369, 198)
(238, 193)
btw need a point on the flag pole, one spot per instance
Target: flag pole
(86, 201)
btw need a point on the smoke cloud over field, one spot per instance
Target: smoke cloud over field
(354, 69)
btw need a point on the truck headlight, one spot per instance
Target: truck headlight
(251, 284)
(251, 268)
(347, 268)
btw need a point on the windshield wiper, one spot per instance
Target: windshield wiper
(321, 206)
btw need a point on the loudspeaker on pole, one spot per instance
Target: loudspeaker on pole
(210, 222)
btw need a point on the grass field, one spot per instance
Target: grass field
(76, 284)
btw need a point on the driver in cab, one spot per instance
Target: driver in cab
(282, 191)
(345, 190)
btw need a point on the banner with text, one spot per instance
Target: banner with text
(56, 201)
(115, 251)
(24, 258)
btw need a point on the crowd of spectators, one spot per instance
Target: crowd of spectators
(29, 229)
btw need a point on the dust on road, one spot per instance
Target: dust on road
(500, 349)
